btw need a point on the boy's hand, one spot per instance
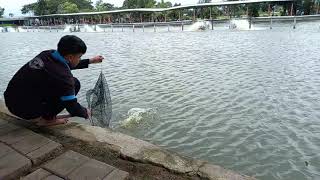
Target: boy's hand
(89, 113)
(97, 59)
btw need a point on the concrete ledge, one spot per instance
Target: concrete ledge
(141, 151)
(133, 149)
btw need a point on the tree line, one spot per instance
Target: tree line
(44, 7)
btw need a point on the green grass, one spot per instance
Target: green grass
(6, 25)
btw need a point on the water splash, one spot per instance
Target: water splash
(68, 28)
(199, 26)
(240, 24)
(138, 116)
(8, 29)
(88, 28)
(20, 29)
(99, 29)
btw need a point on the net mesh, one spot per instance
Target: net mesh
(99, 101)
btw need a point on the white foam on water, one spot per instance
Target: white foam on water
(138, 116)
(11, 29)
(20, 29)
(99, 29)
(67, 28)
(242, 24)
(88, 28)
(199, 26)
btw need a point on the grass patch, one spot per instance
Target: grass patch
(8, 25)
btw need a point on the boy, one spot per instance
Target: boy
(45, 85)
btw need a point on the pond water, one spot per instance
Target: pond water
(245, 100)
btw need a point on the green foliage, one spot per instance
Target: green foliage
(28, 8)
(6, 25)
(163, 4)
(82, 4)
(264, 7)
(68, 7)
(204, 12)
(43, 7)
(1, 11)
(101, 6)
(307, 5)
(53, 7)
(253, 10)
(132, 4)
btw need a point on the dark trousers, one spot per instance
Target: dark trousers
(47, 109)
(54, 106)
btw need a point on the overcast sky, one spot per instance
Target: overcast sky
(14, 6)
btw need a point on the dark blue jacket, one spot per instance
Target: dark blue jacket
(47, 76)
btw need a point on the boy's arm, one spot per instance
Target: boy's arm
(68, 97)
(75, 109)
(85, 62)
(82, 64)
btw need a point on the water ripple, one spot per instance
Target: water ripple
(247, 100)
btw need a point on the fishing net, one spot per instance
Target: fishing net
(99, 101)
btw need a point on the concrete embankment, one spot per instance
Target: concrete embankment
(142, 160)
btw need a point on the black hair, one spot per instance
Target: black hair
(71, 44)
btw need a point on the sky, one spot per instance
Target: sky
(14, 6)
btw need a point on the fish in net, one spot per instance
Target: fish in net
(99, 101)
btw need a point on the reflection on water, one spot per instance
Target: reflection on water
(246, 100)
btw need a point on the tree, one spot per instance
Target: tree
(317, 4)
(43, 7)
(1, 11)
(11, 14)
(307, 5)
(68, 7)
(163, 4)
(253, 10)
(29, 8)
(55, 7)
(38, 8)
(132, 4)
(83, 5)
(101, 6)
(150, 4)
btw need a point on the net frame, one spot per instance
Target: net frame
(99, 102)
